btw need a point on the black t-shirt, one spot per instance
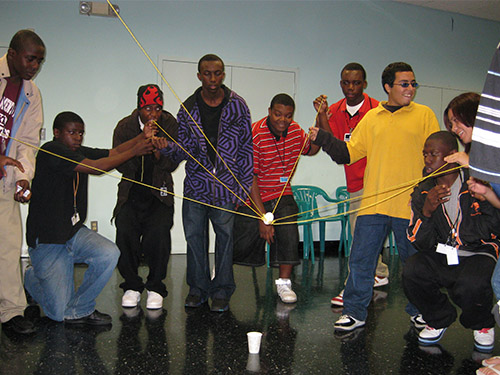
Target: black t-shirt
(52, 202)
(210, 119)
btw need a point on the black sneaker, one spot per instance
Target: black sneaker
(194, 300)
(219, 305)
(19, 324)
(95, 319)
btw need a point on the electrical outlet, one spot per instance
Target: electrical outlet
(93, 226)
(42, 134)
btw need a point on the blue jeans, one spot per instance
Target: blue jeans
(369, 236)
(50, 279)
(195, 218)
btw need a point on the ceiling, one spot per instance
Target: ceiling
(487, 9)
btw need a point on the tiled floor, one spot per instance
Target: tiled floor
(296, 339)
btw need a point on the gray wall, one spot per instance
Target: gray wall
(93, 66)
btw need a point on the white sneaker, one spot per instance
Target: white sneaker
(429, 335)
(155, 300)
(131, 298)
(380, 281)
(484, 339)
(418, 321)
(284, 287)
(347, 323)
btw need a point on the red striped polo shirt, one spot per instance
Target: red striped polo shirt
(274, 159)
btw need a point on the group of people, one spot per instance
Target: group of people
(237, 171)
(446, 229)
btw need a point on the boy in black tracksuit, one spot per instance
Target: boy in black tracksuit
(453, 233)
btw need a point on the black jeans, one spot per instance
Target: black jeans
(468, 285)
(144, 231)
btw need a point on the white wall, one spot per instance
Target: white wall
(94, 68)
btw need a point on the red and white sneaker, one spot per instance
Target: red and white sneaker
(484, 340)
(338, 300)
(380, 281)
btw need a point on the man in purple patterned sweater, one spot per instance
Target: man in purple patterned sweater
(223, 118)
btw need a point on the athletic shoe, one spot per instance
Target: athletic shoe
(95, 319)
(418, 321)
(155, 300)
(219, 305)
(131, 298)
(496, 312)
(339, 300)
(380, 281)
(429, 335)
(348, 323)
(193, 300)
(484, 339)
(284, 288)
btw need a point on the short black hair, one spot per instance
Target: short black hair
(354, 66)
(210, 57)
(22, 37)
(284, 99)
(65, 117)
(446, 138)
(389, 73)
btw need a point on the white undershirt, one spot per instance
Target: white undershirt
(354, 109)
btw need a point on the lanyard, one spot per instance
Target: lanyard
(75, 190)
(278, 151)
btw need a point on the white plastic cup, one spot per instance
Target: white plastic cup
(254, 339)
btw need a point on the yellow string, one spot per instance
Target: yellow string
(410, 184)
(129, 179)
(297, 161)
(206, 169)
(180, 101)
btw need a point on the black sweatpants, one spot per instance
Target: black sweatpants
(468, 285)
(144, 231)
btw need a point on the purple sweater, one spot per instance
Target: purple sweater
(234, 146)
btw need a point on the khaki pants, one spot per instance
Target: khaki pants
(382, 269)
(12, 297)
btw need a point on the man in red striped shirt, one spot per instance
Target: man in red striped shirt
(278, 142)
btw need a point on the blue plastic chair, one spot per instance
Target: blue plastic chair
(306, 198)
(342, 195)
(305, 204)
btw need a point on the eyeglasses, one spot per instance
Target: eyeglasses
(407, 84)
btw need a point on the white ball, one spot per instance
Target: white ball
(268, 218)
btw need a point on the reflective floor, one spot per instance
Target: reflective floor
(297, 339)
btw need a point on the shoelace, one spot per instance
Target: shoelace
(484, 330)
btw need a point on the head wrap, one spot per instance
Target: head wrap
(149, 95)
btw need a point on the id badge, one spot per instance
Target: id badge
(450, 252)
(283, 179)
(347, 137)
(75, 218)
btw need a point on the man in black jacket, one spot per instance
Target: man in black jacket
(144, 216)
(453, 233)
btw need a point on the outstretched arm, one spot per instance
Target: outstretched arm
(334, 147)
(139, 145)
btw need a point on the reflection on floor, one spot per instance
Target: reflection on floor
(297, 339)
